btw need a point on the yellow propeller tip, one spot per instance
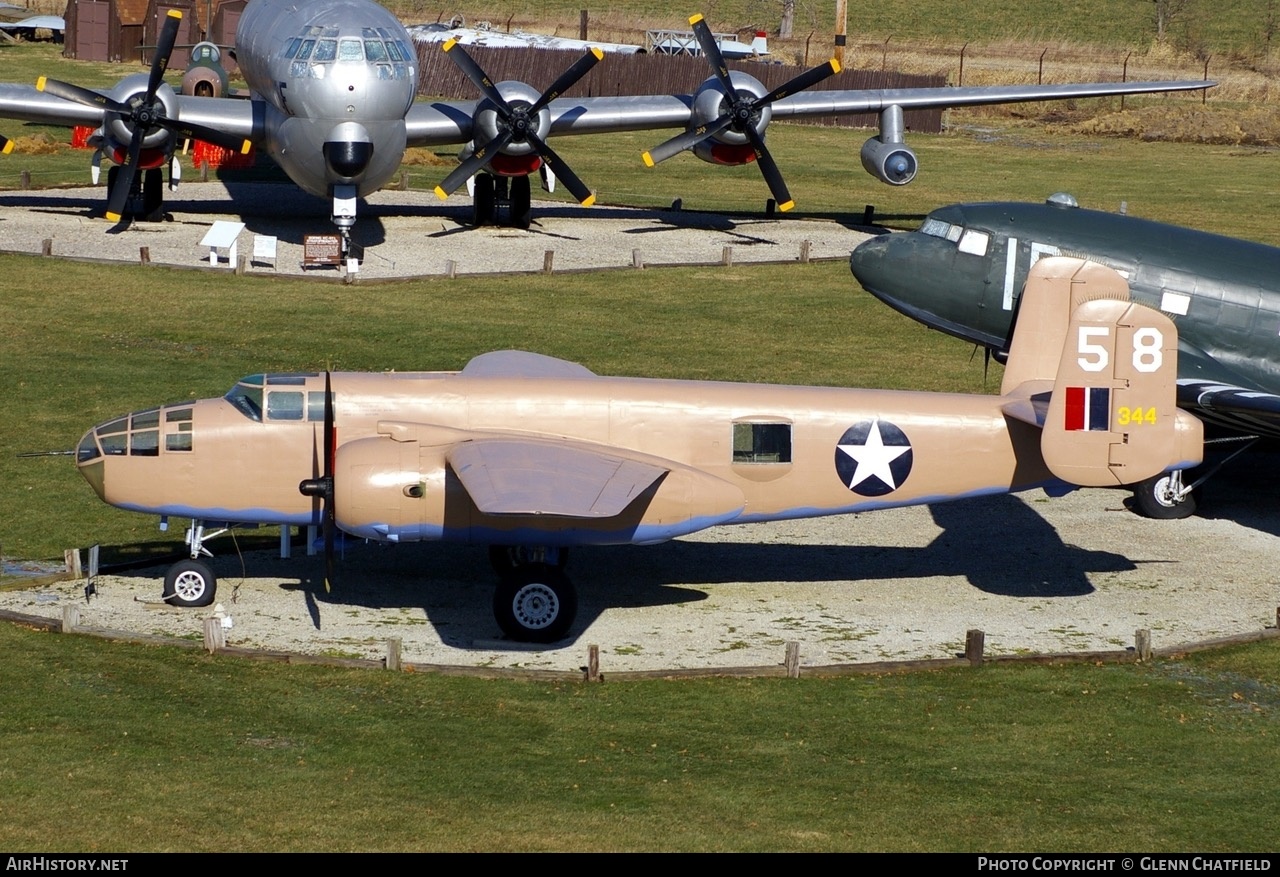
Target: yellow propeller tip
(8, 148)
(442, 194)
(648, 159)
(835, 66)
(589, 200)
(113, 217)
(245, 147)
(41, 82)
(450, 43)
(694, 19)
(598, 52)
(787, 206)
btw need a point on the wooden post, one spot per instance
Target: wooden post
(404, 181)
(204, 171)
(72, 557)
(214, 636)
(869, 214)
(593, 663)
(974, 643)
(804, 252)
(636, 261)
(46, 247)
(548, 259)
(1142, 644)
(582, 24)
(26, 179)
(450, 269)
(144, 255)
(726, 257)
(70, 618)
(242, 263)
(393, 653)
(792, 661)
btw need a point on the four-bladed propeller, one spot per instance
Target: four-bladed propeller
(143, 114)
(741, 112)
(322, 487)
(518, 123)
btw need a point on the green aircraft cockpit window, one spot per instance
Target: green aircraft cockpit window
(939, 229)
(762, 443)
(974, 242)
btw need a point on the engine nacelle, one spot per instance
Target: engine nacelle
(892, 163)
(708, 104)
(487, 121)
(732, 155)
(134, 88)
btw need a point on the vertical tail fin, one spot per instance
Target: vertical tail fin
(1112, 417)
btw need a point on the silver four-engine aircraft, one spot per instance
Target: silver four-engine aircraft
(334, 82)
(964, 269)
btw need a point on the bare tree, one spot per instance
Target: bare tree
(788, 17)
(1167, 12)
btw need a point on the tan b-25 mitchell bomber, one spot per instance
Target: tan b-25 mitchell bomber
(534, 455)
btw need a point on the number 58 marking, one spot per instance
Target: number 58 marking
(1148, 353)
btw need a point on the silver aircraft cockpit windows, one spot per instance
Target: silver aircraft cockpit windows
(939, 229)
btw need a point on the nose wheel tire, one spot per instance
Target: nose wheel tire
(190, 583)
(535, 603)
(1157, 498)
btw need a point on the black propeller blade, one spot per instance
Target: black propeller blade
(143, 114)
(519, 123)
(322, 487)
(740, 112)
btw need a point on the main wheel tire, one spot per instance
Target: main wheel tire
(1154, 498)
(521, 202)
(190, 583)
(505, 558)
(535, 603)
(482, 202)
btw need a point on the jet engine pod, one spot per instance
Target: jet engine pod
(132, 91)
(892, 163)
(489, 122)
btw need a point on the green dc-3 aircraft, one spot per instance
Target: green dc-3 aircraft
(963, 272)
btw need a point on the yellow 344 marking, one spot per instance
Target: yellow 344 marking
(1126, 416)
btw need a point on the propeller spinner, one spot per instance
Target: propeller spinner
(143, 114)
(740, 111)
(518, 123)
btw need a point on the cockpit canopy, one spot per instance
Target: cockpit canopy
(139, 434)
(968, 240)
(278, 397)
(318, 47)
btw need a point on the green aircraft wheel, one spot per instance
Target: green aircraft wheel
(535, 603)
(1157, 498)
(190, 583)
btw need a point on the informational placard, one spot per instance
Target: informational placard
(321, 249)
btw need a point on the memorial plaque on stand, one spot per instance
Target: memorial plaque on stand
(321, 249)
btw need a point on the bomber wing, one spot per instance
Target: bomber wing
(1237, 408)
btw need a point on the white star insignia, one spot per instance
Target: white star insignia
(874, 457)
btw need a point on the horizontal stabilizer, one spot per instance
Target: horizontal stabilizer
(521, 476)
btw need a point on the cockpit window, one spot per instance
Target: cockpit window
(284, 405)
(350, 51)
(292, 49)
(974, 242)
(939, 229)
(374, 50)
(305, 52)
(326, 50)
(246, 396)
(88, 449)
(394, 51)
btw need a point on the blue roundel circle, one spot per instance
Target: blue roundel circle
(873, 458)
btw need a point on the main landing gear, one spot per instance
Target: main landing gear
(145, 200)
(534, 602)
(1164, 497)
(502, 201)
